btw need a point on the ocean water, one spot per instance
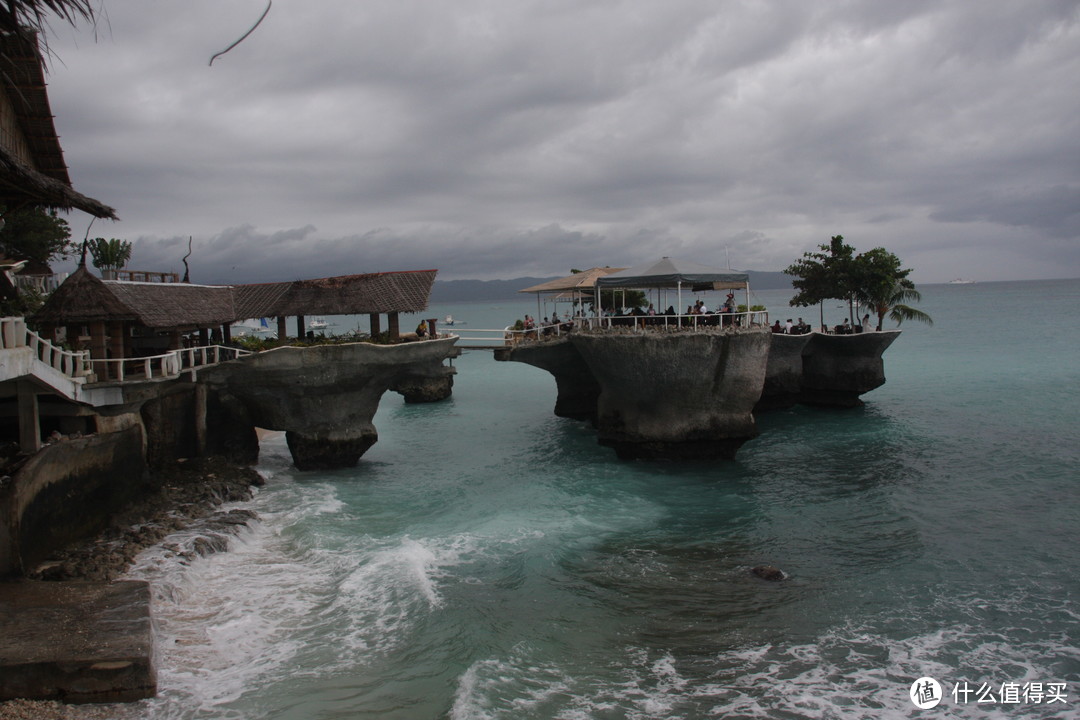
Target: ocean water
(486, 559)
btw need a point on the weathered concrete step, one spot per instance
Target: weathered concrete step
(76, 641)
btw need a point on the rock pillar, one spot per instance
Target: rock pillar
(839, 368)
(784, 372)
(679, 395)
(323, 397)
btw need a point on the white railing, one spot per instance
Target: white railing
(166, 365)
(43, 284)
(753, 318)
(15, 334)
(644, 323)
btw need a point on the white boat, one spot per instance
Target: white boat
(318, 324)
(449, 320)
(961, 281)
(254, 328)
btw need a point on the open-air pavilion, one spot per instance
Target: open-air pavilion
(668, 274)
(575, 288)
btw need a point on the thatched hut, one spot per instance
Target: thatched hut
(118, 319)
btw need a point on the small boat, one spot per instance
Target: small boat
(318, 324)
(961, 281)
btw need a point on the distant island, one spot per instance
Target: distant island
(449, 291)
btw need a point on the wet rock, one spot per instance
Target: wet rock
(769, 572)
(188, 496)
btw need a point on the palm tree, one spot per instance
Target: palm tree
(892, 302)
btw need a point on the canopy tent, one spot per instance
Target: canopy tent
(669, 273)
(571, 287)
(666, 272)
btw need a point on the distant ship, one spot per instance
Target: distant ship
(960, 281)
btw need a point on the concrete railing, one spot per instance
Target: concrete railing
(166, 365)
(15, 334)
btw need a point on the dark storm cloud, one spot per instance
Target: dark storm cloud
(502, 139)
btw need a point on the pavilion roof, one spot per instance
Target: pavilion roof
(584, 280)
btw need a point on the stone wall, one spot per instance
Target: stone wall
(67, 491)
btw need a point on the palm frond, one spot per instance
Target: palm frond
(900, 313)
(35, 13)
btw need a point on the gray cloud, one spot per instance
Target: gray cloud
(495, 139)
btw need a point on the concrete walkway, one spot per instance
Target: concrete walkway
(76, 641)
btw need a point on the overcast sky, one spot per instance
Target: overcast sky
(503, 138)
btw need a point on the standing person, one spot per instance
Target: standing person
(866, 323)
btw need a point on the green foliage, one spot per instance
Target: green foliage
(874, 278)
(111, 254)
(753, 308)
(823, 275)
(26, 303)
(37, 235)
(617, 299)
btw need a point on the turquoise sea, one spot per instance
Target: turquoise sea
(487, 559)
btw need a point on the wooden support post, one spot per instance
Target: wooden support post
(301, 331)
(29, 423)
(200, 418)
(376, 326)
(393, 327)
(226, 332)
(282, 330)
(204, 337)
(99, 348)
(174, 340)
(116, 340)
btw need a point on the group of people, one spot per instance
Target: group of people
(801, 328)
(790, 328)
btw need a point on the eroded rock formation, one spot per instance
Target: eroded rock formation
(323, 397)
(680, 395)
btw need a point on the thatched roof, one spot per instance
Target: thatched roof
(32, 169)
(253, 301)
(405, 291)
(85, 298)
(171, 305)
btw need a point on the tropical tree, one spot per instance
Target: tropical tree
(881, 284)
(892, 302)
(823, 275)
(111, 254)
(37, 235)
(874, 278)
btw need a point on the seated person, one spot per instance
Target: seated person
(421, 329)
(776, 328)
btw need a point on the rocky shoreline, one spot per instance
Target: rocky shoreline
(189, 498)
(191, 491)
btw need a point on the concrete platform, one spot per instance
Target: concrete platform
(76, 641)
